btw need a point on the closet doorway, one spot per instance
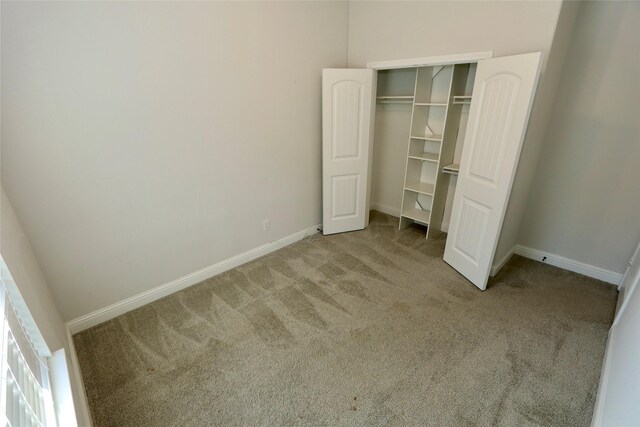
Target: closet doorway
(450, 129)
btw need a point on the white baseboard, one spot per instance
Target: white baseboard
(114, 310)
(385, 209)
(83, 416)
(497, 266)
(444, 227)
(570, 264)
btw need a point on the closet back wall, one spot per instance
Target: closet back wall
(144, 141)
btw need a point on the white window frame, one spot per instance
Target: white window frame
(24, 370)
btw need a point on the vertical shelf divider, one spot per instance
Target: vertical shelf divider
(413, 110)
(447, 148)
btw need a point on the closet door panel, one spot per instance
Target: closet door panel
(347, 121)
(503, 93)
(629, 280)
(619, 388)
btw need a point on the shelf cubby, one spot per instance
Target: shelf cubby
(426, 147)
(420, 187)
(417, 214)
(428, 122)
(421, 171)
(416, 206)
(396, 86)
(432, 85)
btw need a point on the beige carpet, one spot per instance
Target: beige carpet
(365, 328)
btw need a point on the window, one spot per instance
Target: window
(25, 394)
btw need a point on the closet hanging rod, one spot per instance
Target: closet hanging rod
(395, 97)
(431, 104)
(461, 100)
(402, 99)
(451, 169)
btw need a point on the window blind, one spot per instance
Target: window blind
(25, 395)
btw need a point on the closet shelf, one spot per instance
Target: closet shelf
(462, 99)
(417, 215)
(395, 99)
(451, 169)
(428, 138)
(431, 104)
(427, 157)
(421, 187)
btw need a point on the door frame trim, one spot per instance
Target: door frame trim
(429, 61)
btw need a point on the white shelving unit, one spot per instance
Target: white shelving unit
(429, 115)
(441, 97)
(429, 107)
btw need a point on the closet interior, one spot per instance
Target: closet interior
(420, 124)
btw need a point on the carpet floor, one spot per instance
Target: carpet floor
(365, 328)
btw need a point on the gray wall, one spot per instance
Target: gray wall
(144, 141)
(585, 200)
(385, 30)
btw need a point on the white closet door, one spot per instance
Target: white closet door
(348, 100)
(631, 276)
(502, 96)
(619, 388)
